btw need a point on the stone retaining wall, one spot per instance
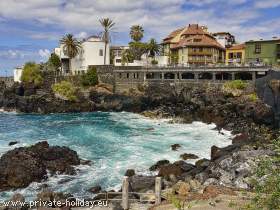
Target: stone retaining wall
(8, 81)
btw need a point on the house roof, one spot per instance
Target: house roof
(198, 40)
(237, 47)
(195, 29)
(263, 40)
(221, 33)
(173, 34)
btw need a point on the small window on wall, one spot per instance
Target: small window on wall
(100, 52)
(258, 48)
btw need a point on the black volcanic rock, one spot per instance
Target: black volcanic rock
(21, 166)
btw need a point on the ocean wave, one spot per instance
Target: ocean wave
(114, 142)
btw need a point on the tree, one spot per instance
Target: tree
(71, 46)
(107, 25)
(31, 74)
(54, 61)
(137, 49)
(136, 33)
(127, 57)
(153, 48)
(90, 78)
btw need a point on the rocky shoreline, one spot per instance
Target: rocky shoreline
(231, 167)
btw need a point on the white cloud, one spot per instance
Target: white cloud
(82, 35)
(12, 54)
(44, 54)
(158, 17)
(267, 4)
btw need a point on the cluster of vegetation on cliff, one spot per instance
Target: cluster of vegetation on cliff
(65, 90)
(32, 74)
(268, 190)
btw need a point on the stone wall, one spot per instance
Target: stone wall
(8, 81)
(106, 74)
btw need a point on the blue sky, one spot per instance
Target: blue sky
(30, 29)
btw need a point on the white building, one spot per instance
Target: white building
(92, 54)
(117, 51)
(225, 39)
(17, 74)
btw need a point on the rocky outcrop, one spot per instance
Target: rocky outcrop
(21, 166)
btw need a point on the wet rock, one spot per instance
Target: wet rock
(13, 143)
(187, 156)
(85, 162)
(242, 138)
(183, 165)
(95, 189)
(176, 169)
(21, 166)
(175, 147)
(141, 183)
(159, 164)
(217, 152)
(130, 172)
(204, 163)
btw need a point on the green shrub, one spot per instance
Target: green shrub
(236, 84)
(253, 97)
(90, 78)
(31, 74)
(154, 62)
(54, 61)
(268, 190)
(65, 89)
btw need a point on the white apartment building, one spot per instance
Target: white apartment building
(225, 39)
(92, 53)
(17, 74)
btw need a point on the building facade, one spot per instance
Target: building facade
(17, 74)
(263, 52)
(235, 55)
(226, 39)
(193, 45)
(92, 54)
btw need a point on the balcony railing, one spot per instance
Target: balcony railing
(200, 53)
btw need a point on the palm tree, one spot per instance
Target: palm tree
(71, 47)
(153, 48)
(136, 33)
(107, 25)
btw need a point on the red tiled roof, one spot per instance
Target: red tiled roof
(173, 34)
(195, 29)
(237, 47)
(198, 40)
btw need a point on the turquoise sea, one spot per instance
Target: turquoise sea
(113, 141)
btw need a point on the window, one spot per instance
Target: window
(127, 75)
(239, 55)
(100, 52)
(258, 48)
(118, 60)
(230, 55)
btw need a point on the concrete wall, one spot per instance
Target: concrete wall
(131, 78)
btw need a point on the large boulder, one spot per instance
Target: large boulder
(159, 164)
(21, 166)
(177, 169)
(142, 183)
